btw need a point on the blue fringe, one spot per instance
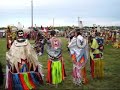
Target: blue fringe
(35, 78)
(16, 82)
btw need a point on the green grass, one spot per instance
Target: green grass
(112, 72)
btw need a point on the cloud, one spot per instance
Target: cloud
(65, 12)
(21, 4)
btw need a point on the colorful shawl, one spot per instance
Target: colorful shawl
(79, 56)
(23, 71)
(56, 70)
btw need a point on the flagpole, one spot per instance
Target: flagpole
(32, 13)
(53, 22)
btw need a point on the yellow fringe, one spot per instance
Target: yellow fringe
(99, 69)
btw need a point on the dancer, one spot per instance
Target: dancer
(39, 44)
(23, 70)
(79, 57)
(96, 56)
(9, 37)
(117, 42)
(108, 37)
(56, 71)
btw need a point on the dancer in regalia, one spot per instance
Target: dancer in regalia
(78, 53)
(108, 37)
(23, 70)
(56, 70)
(39, 44)
(113, 37)
(9, 37)
(117, 42)
(96, 56)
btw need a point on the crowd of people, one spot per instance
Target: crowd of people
(24, 71)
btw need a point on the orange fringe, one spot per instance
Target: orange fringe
(73, 57)
(63, 69)
(25, 87)
(30, 81)
(85, 80)
(49, 77)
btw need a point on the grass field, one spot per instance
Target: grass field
(112, 70)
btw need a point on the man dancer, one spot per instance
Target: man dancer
(9, 37)
(39, 44)
(23, 70)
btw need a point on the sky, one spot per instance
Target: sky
(64, 12)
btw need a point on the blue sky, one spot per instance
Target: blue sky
(64, 12)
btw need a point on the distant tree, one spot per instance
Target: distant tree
(1, 28)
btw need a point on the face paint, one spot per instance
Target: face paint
(20, 34)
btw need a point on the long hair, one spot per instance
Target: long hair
(78, 31)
